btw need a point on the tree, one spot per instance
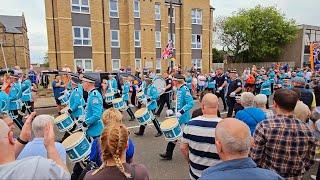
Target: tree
(257, 34)
(217, 55)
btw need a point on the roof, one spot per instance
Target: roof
(177, 2)
(11, 23)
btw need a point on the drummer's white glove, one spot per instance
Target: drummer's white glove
(178, 115)
(164, 89)
(118, 91)
(233, 94)
(220, 88)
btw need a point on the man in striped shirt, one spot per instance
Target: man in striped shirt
(198, 142)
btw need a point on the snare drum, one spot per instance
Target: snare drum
(77, 147)
(141, 97)
(143, 115)
(171, 129)
(109, 97)
(64, 122)
(119, 104)
(64, 99)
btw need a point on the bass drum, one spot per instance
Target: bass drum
(160, 84)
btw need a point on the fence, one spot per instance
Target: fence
(241, 66)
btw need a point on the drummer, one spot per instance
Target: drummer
(94, 109)
(4, 101)
(184, 104)
(125, 96)
(113, 85)
(142, 88)
(15, 101)
(152, 95)
(26, 97)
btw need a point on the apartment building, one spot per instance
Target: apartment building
(113, 34)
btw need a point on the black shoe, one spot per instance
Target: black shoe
(158, 134)
(165, 157)
(138, 134)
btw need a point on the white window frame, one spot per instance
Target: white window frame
(196, 16)
(158, 66)
(136, 12)
(80, 5)
(157, 11)
(81, 36)
(83, 64)
(174, 40)
(114, 11)
(112, 40)
(137, 41)
(157, 41)
(196, 61)
(116, 69)
(173, 15)
(140, 63)
(194, 43)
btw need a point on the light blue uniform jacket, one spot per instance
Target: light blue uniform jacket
(94, 110)
(185, 104)
(4, 102)
(153, 95)
(76, 103)
(26, 91)
(14, 97)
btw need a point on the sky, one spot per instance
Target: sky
(303, 11)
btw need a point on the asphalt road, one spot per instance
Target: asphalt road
(147, 149)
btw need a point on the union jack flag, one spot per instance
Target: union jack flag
(168, 51)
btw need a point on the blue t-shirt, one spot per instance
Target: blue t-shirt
(57, 91)
(251, 116)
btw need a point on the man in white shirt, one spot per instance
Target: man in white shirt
(33, 167)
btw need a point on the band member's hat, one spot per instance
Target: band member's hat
(178, 77)
(75, 80)
(299, 80)
(15, 75)
(88, 79)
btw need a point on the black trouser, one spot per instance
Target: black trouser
(68, 133)
(25, 108)
(267, 105)
(231, 101)
(221, 95)
(164, 98)
(133, 96)
(129, 111)
(155, 123)
(17, 118)
(272, 89)
(170, 148)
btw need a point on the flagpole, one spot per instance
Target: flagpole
(171, 30)
(4, 58)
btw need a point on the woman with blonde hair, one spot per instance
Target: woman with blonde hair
(114, 142)
(110, 116)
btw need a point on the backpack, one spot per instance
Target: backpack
(250, 80)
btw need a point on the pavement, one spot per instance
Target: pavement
(147, 148)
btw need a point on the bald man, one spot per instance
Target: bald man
(33, 167)
(233, 142)
(198, 144)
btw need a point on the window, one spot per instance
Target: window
(113, 8)
(86, 64)
(138, 64)
(197, 63)
(158, 66)
(173, 15)
(81, 36)
(158, 39)
(174, 39)
(157, 12)
(80, 6)
(136, 9)
(137, 38)
(116, 64)
(196, 16)
(196, 41)
(115, 39)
